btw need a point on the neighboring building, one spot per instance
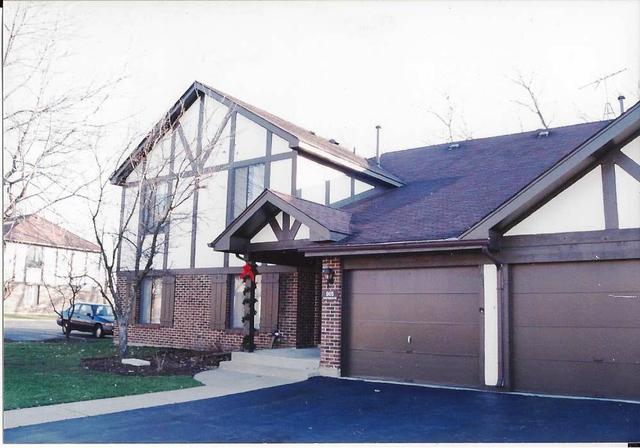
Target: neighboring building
(39, 258)
(506, 263)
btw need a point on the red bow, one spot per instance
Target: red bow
(247, 271)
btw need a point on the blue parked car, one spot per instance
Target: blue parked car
(89, 318)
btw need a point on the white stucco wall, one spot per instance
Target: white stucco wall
(628, 198)
(578, 208)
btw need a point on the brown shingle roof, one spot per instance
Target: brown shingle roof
(33, 229)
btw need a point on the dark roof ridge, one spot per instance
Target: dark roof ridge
(460, 142)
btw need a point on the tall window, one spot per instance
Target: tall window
(34, 257)
(249, 183)
(155, 201)
(237, 308)
(151, 300)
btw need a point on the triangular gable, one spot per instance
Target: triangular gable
(296, 137)
(281, 222)
(617, 133)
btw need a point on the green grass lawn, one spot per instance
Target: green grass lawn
(42, 373)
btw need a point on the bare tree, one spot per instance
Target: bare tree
(161, 181)
(65, 294)
(47, 119)
(533, 97)
(453, 120)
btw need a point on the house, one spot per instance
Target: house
(509, 263)
(41, 263)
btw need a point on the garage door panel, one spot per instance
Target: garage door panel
(442, 308)
(601, 276)
(576, 328)
(425, 338)
(577, 344)
(413, 367)
(414, 280)
(602, 380)
(437, 307)
(619, 309)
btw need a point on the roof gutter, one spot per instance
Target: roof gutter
(306, 147)
(397, 247)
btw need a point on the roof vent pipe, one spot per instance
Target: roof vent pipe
(378, 127)
(621, 99)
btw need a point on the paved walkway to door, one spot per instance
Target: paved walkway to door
(338, 410)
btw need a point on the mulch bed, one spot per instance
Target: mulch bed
(170, 361)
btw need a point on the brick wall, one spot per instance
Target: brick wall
(191, 321)
(331, 337)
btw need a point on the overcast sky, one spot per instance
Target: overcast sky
(340, 68)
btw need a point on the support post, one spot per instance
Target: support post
(248, 275)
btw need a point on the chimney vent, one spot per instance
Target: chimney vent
(543, 133)
(378, 127)
(621, 99)
(334, 142)
(454, 146)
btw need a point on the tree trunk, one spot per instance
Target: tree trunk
(123, 337)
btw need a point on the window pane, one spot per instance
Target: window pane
(151, 301)
(251, 139)
(281, 176)
(249, 183)
(240, 192)
(255, 182)
(156, 301)
(238, 297)
(279, 145)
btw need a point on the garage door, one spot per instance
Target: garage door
(413, 325)
(576, 328)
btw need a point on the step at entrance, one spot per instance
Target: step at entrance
(295, 364)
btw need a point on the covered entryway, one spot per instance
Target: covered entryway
(576, 328)
(419, 325)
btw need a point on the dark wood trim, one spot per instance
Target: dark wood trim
(277, 245)
(267, 164)
(199, 132)
(395, 248)
(273, 222)
(186, 146)
(237, 235)
(628, 165)
(194, 223)
(504, 325)
(449, 259)
(123, 198)
(293, 231)
(612, 136)
(213, 271)
(554, 239)
(617, 250)
(214, 142)
(222, 167)
(294, 174)
(609, 195)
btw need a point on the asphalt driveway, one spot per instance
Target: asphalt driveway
(36, 330)
(334, 410)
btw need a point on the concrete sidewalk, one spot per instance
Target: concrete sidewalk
(216, 383)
